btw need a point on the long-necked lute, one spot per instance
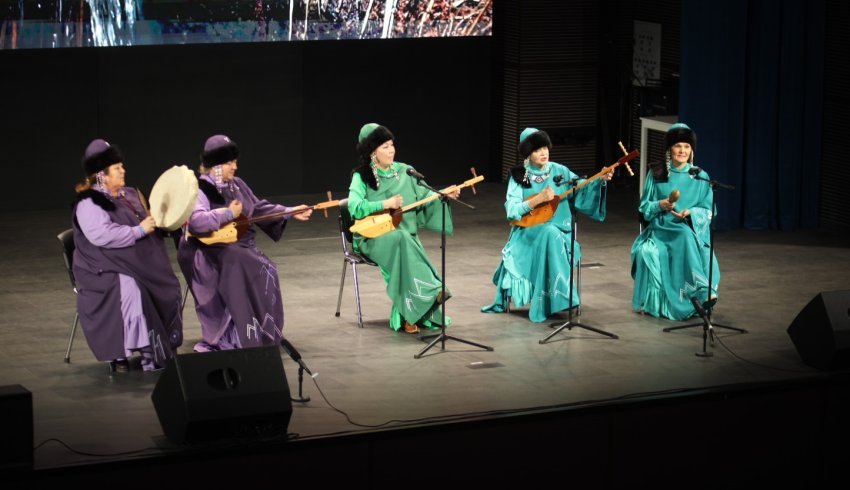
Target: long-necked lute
(543, 212)
(232, 231)
(385, 221)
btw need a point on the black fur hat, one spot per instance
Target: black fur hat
(530, 140)
(219, 149)
(679, 133)
(99, 155)
(371, 136)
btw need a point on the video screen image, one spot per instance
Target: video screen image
(92, 23)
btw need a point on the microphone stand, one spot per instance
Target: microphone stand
(295, 356)
(442, 337)
(704, 310)
(570, 323)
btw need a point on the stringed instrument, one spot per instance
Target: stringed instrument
(234, 230)
(543, 212)
(387, 220)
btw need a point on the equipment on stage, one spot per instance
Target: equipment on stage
(385, 221)
(234, 230)
(296, 356)
(173, 197)
(704, 309)
(225, 394)
(442, 298)
(569, 324)
(820, 331)
(543, 212)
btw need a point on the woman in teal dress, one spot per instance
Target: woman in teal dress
(536, 262)
(380, 183)
(670, 257)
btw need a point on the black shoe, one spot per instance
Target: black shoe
(119, 366)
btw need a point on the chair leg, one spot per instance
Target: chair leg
(185, 296)
(341, 284)
(71, 339)
(357, 295)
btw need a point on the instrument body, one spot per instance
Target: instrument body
(382, 222)
(543, 212)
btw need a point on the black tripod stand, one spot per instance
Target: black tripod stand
(704, 309)
(442, 337)
(570, 323)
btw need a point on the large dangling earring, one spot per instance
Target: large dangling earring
(100, 178)
(667, 158)
(525, 180)
(375, 172)
(216, 174)
(692, 157)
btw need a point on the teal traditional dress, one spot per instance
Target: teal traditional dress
(670, 257)
(536, 262)
(412, 281)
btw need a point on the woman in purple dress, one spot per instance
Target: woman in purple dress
(128, 296)
(235, 286)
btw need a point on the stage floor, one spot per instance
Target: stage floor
(371, 373)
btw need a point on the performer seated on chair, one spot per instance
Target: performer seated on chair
(670, 257)
(129, 298)
(535, 266)
(380, 183)
(235, 286)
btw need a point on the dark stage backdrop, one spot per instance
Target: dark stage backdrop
(294, 108)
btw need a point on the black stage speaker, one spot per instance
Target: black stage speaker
(821, 332)
(16, 427)
(224, 394)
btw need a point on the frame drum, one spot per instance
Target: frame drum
(173, 197)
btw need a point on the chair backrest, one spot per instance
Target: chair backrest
(345, 221)
(66, 238)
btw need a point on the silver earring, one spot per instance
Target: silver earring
(375, 172)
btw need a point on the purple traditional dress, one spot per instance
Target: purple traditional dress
(129, 298)
(235, 286)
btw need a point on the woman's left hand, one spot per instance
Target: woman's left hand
(610, 175)
(303, 216)
(682, 215)
(454, 194)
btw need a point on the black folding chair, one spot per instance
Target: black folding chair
(350, 257)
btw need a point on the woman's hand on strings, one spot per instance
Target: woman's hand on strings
(235, 208)
(303, 215)
(545, 195)
(394, 202)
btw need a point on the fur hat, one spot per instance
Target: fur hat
(530, 140)
(100, 155)
(219, 149)
(679, 133)
(371, 136)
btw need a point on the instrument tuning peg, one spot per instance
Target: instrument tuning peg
(330, 198)
(625, 152)
(474, 174)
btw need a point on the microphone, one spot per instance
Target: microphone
(295, 355)
(559, 180)
(413, 173)
(700, 311)
(694, 171)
